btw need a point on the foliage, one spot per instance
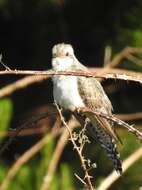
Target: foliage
(6, 109)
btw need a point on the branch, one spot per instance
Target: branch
(125, 53)
(106, 74)
(106, 184)
(119, 122)
(20, 84)
(79, 150)
(129, 116)
(56, 156)
(97, 72)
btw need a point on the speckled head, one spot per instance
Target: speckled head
(61, 50)
(63, 57)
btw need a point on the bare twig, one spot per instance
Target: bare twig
(134, 59)
(3, 64)
(125, 75)
(87, 177)
(121, 74)
(107, 56)
(20, 84)
(106, 184)
(96, 72)
(56, 156)
(119, 122)
(130, 116)
(25, 157)
(123, 54)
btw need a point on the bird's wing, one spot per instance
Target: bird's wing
(95, 98)
(93, 95)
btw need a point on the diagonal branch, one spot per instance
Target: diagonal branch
(119, 122)
(21, 83)
(56, 156)
(87, 177)
(125, 53)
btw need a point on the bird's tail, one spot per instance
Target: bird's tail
(105, 139)
(107, 143)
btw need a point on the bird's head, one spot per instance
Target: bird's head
(62, 57)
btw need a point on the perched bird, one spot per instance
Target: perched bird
(73, 92)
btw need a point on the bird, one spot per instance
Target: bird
(74, 92)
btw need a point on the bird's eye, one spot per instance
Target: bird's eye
(67, 53)
(54, 55)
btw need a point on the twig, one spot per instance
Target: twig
(87, 177)
(25, 157)
(123, 54)
(20, 84)
(130, 116)
(4, 65)
(119, 122)
(106, 184)
(134, 59)
(107, 56)
(105, 75)
(96, 72)
(56, 156)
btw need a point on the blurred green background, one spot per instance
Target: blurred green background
(28, 30)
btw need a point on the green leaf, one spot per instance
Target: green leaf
(6, 109)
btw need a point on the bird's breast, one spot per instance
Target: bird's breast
(66, 93)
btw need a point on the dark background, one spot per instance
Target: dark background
(30, 28)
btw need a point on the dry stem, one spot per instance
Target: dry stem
(119, 122)
(56, 156)
(125, 53)
(95, 72)
(123, 76)
(87, 177)
(126, 164)
(20, 84)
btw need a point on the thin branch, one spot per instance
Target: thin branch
(134, 59)
(107, 56)
(96, 72)
(130, 116)
(25, 157)
(106, 184)
(3, 64)
(123, 54)
(56, 156)
(119, 122)
(125, 75)
(87, 177)
(21, 83)
(120, 74)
